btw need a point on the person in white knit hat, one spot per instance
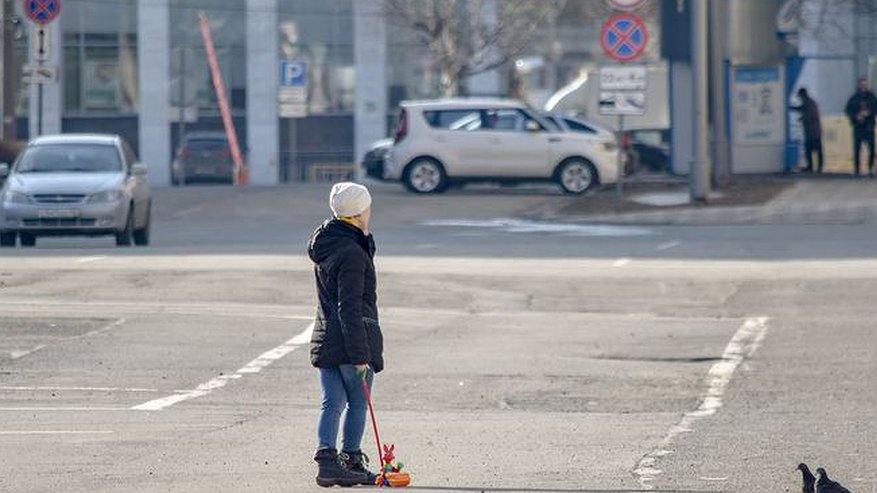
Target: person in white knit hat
(347, 344)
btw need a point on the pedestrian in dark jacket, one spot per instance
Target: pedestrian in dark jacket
(812, 128)
(862, 110)
(347, 345)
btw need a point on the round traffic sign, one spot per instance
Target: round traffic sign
(626, 5)
(42, 11)
(624, 37)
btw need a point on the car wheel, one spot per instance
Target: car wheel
(141, 236)
(576, 176)
(425, 176)
(28, 240)
(124, 237)
(8, 239)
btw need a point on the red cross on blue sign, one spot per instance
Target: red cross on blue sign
(42, 11)
(624, 37)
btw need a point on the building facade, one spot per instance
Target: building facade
(307, 82)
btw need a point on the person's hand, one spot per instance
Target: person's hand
(361, 370)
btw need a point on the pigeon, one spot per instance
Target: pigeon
(825, 485)
(808, 478)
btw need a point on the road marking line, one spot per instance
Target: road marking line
(74, 389)
(22, 353)
(254, 366)
(668, 245)
(85, 260)
(44, 408)
(745, 342)
(621, 262)
(186, 212)
(101, 330)
(57, 432)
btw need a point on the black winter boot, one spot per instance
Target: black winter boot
(356, 462)
(332, 473)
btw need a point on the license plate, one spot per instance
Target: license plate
(58, 214)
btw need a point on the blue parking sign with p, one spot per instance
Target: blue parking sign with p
(293, 74)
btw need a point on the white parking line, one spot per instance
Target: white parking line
(668, 245)
(57, 432)
(18, 354)
(85, 260)
(73, 389)
(743, 345)
(254, 366)
(62, 409)
(24, 352)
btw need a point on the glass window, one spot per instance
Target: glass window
(100, 57)
(86, 158)
(191, 85)
(454, 119)
(552, 123)
(577, 126)
(320, 35)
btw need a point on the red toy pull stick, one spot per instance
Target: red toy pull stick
(371, 412)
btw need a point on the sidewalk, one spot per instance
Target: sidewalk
(753, 199)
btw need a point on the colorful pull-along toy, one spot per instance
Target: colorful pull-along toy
(391, 474)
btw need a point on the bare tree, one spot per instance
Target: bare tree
(469, 37)
(827, 19)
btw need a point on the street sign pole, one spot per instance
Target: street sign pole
(41, 13)
(40, 40)
(622, 149)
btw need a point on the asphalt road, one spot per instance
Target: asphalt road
(522, 354)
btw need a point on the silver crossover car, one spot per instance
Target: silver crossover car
(67, 185)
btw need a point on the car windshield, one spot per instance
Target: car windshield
(70, 158)
(206, 144)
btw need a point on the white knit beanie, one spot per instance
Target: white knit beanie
(349, 199)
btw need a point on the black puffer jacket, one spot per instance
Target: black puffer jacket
(346, 330)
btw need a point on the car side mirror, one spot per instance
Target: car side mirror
(139, 170)
(532, 126)
(4, 170)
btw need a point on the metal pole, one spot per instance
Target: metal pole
(619, 180)
(4, 67)
(699, 177)
(721, 150)
(11, 73)
(40, 107)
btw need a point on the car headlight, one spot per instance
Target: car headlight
(106, 196)
(14, 197)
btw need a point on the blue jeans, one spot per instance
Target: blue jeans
(342, 387)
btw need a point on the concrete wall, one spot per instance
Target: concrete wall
(370, 57)
(263, 138)
(153, 69)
